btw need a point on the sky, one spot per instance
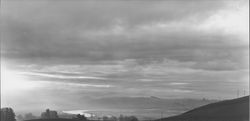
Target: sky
(55, 51)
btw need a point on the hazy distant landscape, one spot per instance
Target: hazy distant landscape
(226, 110)
(145, 106)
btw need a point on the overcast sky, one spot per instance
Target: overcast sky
(57, 51)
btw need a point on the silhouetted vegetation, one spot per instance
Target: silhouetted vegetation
(7, 114)
(80, 117)
(48, 114)
(57, 119)
(29, 116)
(20, 117)
(112, 118)
(127, 118)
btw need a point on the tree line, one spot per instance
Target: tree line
(7, 114)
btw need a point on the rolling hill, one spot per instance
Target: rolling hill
(228, 110)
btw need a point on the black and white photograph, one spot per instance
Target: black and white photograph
(124, 60)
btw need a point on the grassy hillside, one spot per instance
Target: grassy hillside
(228, 110)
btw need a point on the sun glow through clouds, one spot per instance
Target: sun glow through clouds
(12, 82)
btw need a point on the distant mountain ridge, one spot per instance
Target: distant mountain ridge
(228, 110)
(148, 102)
(145, 106)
